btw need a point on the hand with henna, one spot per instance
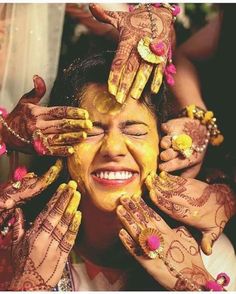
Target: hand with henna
(31, 186)
(129, 72)
(172, 160)
(178, 265)
(195, 203)
(58, 127)
(40, 254)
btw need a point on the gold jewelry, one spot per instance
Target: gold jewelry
(151, 242)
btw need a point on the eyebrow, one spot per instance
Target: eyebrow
(124, 124)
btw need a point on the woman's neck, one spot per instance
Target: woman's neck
(99, 241)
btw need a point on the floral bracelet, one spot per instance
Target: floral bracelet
(206, 118)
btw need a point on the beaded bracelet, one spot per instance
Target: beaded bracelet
(206, 118)
(3, 115)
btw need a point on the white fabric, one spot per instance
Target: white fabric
(222, 259)
(33, 39)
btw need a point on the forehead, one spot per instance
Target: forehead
(101, 106)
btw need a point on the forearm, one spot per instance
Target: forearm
(187, 89)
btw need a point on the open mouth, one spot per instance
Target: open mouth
(114, 177)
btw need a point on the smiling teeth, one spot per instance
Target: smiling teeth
(121, 175)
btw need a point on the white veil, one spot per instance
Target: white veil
(33, 38)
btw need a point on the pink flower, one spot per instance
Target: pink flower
(158, 49)
(3, 148)
(19, 173)
(169, 79)
(176, 10)
(39, 147)
(171, 69)
(3, 112)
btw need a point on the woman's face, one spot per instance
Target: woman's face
(119, 152)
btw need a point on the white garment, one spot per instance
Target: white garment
(33, 38)
(222, 259)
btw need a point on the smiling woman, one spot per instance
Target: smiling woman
(113, 167)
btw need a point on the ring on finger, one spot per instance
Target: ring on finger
(151, 242)
(183, 144)
(40, 142)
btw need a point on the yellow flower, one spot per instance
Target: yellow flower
(217, 140)
(181, 142)
(190, 110)
(207, 117)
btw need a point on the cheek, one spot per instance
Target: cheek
(79, 163)
(145, 154)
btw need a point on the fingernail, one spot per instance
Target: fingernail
(136, 93)
(120, 97)
(73, 184)
(71, 150)
(163, 175)
(88, 124)
(62, 186)
(112, 88)
(120, 210)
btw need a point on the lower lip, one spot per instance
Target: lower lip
(114, 183)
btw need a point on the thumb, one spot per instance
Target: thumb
(207, 242)
(110, 17)
(18, 226)
(35, 95)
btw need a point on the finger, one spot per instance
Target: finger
(165, 128)
(37, 92)
(134, 209)
(51, 215)
(129, 243)
(208, 240)
(191, 172)
(69, 238)
(110, 17)
(60, 151)
(157, 78)
(174, 208)
(68, 138)
(175, 164)
(18, 226)
(60, 112)
(63, 125)
(166, 142)
(128, 221)
(128, 76)
(118, 64)
(206, 244)
(168, 154)
(38, 184)
(141, 79)
(62, 227)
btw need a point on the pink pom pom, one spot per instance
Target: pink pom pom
(171, 69)
(19, 173)
(153, 242)
(212, 285)
(39, 148)
(156, 5)
(176, 10)
(158, 49)
(226, 278)
(169, 79)
(131, 8)
(3, 148)
(3, 112)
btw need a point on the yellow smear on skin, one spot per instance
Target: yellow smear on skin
(105, 104)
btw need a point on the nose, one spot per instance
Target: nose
(113, 146)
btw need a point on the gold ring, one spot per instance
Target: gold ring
(151, 242)
(183, 144)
